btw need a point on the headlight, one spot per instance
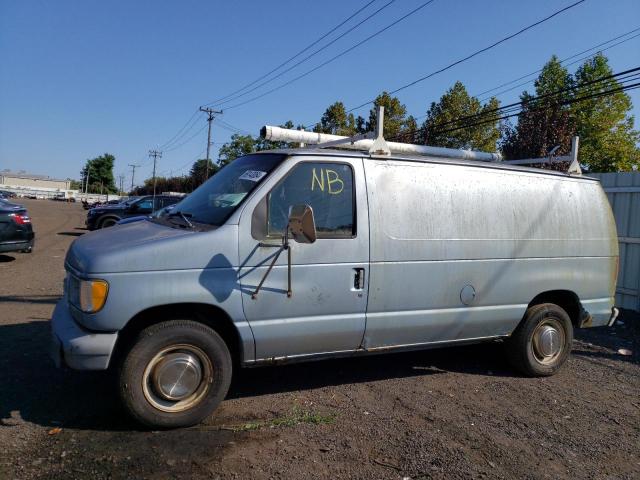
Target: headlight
(88, 295)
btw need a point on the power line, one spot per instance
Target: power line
(231, 128)
(513, 112)
(324, 47)
(566, 102)
(190, 162)
(561, 62)
(474, 54)
(315, 42)
(175, 147)
(175, 137)
(624, 76)
(344, 52)
(190, 124)
(516, 108)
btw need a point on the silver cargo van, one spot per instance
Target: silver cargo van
(308, 253)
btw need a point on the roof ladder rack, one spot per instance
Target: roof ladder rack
(375, 144)
(372, 142)
(572, 159)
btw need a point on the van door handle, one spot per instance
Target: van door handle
(358, 279)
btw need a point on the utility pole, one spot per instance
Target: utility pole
(121, 178)
(133, 173)
(155, 154)
(210, 116)
(86, 186)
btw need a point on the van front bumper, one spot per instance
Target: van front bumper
(76, 347)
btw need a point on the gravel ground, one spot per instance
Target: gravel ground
(450, 413)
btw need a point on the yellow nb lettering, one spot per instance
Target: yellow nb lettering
(314, 179)
(334, 183)
(334, 189)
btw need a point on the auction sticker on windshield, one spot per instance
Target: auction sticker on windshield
(252, 175)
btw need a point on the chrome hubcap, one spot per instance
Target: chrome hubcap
(177, 378)
(548, 341)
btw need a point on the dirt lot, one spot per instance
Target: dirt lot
(451, 413)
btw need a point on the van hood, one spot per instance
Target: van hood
(138, 246)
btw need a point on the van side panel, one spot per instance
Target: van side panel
(509, 235)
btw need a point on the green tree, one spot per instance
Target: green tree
(446, 125)
(336, 121)
(100, 171)
(394, 115)
(165, 184)
(608, 141)
(245, 144)
(198, 172)
(75, 184)
(238, 146)
(545, 119)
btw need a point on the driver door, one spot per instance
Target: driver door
(144, 207)
(326, 311)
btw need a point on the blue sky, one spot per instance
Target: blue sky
(80, 78)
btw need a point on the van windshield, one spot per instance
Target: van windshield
(215, 200)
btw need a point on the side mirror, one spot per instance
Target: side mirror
(302, 226)
(302, 229)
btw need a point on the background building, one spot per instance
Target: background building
(27, 180)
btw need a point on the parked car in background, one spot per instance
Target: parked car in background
(113, 202)
(88, 206)
(162, 212)
(16, 231)
(7, 194)
(108, 215)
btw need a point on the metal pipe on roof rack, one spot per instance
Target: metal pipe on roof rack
(279, 134)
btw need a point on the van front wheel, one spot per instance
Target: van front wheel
(541, 344)
(175, 375)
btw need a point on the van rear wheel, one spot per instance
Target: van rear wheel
(175, 375)
(541, 344)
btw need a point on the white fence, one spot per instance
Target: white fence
(40, 192)
(623, 190)
(96, 197)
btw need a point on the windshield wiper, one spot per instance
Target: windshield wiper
(183, 216)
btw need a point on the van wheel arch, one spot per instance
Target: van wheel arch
(568, 301)
(210, 315)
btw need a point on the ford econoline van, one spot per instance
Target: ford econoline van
(311, 253)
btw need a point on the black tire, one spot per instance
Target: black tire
(154, 348)
(108, 222)
(28, 250)
(526, 348)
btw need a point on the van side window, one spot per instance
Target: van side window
(327, 188)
